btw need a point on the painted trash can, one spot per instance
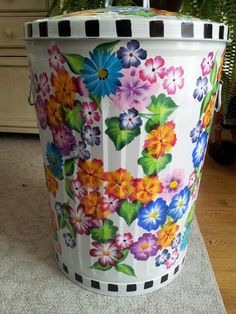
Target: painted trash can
(124, 98)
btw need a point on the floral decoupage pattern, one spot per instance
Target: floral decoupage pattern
(142, 89)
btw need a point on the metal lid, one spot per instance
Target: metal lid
(126, 22)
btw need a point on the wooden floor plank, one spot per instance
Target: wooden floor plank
(216, 213)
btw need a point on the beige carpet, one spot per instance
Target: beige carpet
(30, 281)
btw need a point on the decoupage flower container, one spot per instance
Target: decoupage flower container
(124, 100)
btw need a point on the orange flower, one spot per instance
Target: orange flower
(220, 67)
(91, 173)
(93, 205)
(51, 181)
(146, 189)
(53, 220)
(161, 139)
(119, 183)
(166, 235)
(209, 112)
(64, 87)
(54, 112)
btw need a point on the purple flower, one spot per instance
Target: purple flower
(91, 135)
(131, 55)
(176, 241)
(133, 92)
(196, 132)
(64, 140)
(80, 151)
(130, 120)
(163, 257)
(56, 58)
(43, 81)
(58, 208)
(201, 89)
(145, 247)
(68, 240)
(173, 183)
(35, 82)
(173, 258)
(41, 111)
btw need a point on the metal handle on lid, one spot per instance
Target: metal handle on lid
(146, 3)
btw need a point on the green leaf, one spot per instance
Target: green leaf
(125, 252)
(125, 269)
(162, 107)
(100, 267)
(120, 137)
(215, 88)
(107, 46)
(75, 62)
(73, 117)
(190, 217)
(205, 102)
(71, 230)
(61, 222)
(129, 211)
(65, 213)
(69, 167)
(96, 99)
(104, 234)
(151, 165)
(213, 73)
(68, 188)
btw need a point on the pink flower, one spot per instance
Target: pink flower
(207, 64)
(173, 184)
(145, 247)
(110, 203)
(173, 80)
(192, 179)
(89, 112)
(43, 82)
(79, 220)
(107, 253)
(123, 241)
(78, 189)
(133, 92)
(154, 68)
(173, 258)
(56, 58)
(82, 90)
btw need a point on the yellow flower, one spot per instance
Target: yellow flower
(51, 181)
(53, 112)
(65, 87)
(166, 235)
(146, 189)
(93, 205)
(209, 112)
(91, 173)
(161, 139)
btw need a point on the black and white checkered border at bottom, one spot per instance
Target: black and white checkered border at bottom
(120, 289)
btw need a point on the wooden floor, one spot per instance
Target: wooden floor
(216, 214)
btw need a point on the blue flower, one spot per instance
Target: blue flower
(130, 120)
(196, 132)
(185, 238)
(101, 73)
(91, 135)
(68, 240)
(199, 151)
(153, 215)
(80, 152)
(179, 204)
(131, 55)
(54, 158)
(201, 89)
(163, 257)
(176, 241)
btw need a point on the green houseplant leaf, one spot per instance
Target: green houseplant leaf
(151, 165)
(69, 167)
(75, 62)
(129, 211)
(73, 117)
(125, 269)
(104, 234)
(100, 267)
(120, 137)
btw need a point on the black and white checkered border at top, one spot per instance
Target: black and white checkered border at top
(120, 289)
(127, 28)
